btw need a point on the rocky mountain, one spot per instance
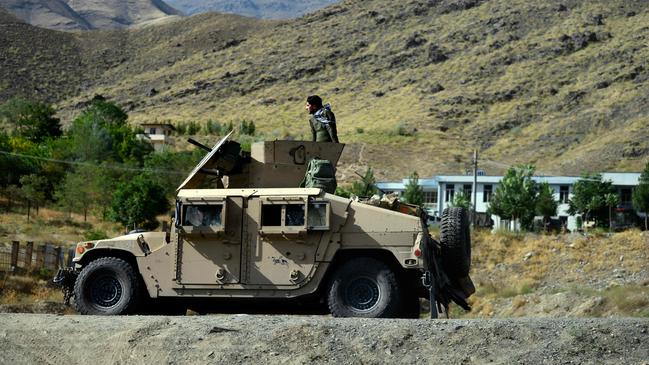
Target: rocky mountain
(267, 9)
(416, 84)
(88, 14)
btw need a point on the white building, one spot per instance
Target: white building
(440, 190)
(158, 134)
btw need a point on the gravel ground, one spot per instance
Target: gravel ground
(242, 339)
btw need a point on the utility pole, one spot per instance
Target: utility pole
(475, 186)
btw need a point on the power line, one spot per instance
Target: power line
(79, 163)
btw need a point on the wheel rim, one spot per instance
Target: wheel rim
(105, 291)
(362, 294)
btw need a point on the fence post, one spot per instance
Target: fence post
(29, 249)
(40, 257)
(58, 251)
(71, 252)
(15, 247)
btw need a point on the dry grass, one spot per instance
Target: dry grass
(27, 290)
(51, 226)
(599, 275)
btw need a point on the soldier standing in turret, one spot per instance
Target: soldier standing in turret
(322, 121)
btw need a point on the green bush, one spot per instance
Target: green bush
(94, 234)
(213, 127)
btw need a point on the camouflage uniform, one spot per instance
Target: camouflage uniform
(323, 125)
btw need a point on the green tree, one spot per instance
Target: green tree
(32, 120)
(33, 189)
(86, 187)
(546, 205)
(12, 193)
(640, 196)
(413, 192)
(515, 196)
(461, 200)
(247, 127)
(367, 186)
(101, 133)
(169, 168)
(137, 202)
(343, 191)
(212, 127)
(589, 198)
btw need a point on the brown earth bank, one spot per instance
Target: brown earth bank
(238, 339)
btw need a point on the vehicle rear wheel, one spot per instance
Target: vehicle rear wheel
(364, 287)
(455, 242)
(107, 286)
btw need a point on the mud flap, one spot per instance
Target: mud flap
(65, 279)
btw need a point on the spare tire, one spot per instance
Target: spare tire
(455, 242)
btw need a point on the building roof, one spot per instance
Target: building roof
(617, 179)
(622, 178)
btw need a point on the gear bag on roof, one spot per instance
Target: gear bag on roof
(320, 174)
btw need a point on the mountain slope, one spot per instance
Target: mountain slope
(55, 14)
(109, 14)
(88, 14)
(415, 85)
(267, 9)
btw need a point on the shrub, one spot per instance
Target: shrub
(213, 127)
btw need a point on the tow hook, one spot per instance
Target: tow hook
(65, 279)
(427, 282)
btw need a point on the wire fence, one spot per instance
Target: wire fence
(26, 257)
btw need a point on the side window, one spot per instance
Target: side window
(294, 215)
(318, 216)
(203, 215)
(271, 215)
(279, 215)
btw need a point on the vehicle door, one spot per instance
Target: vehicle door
(209, 245)
(283, 237)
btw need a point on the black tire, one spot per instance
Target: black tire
(455, 242)
(107, 286)
(364, 287)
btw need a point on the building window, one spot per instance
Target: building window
(625, 195)
(564, 194)
(151, 130)
(450, 193)
(486, 195)
(430, 197)
(467, 190)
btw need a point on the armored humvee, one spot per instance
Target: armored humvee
(243, 230)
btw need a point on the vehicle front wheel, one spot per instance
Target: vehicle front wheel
(107, 286)
(364, 287)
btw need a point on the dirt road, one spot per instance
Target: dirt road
(240, 339)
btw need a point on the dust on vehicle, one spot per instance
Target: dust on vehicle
(244, 230)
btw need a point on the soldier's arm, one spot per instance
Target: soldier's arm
(331, 127)
(333, 133)
(313, 133)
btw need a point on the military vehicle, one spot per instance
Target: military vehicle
(244, 230)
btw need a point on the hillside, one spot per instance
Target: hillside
(55, 14)
(267, 9)
(561, 84)
(88, 14)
